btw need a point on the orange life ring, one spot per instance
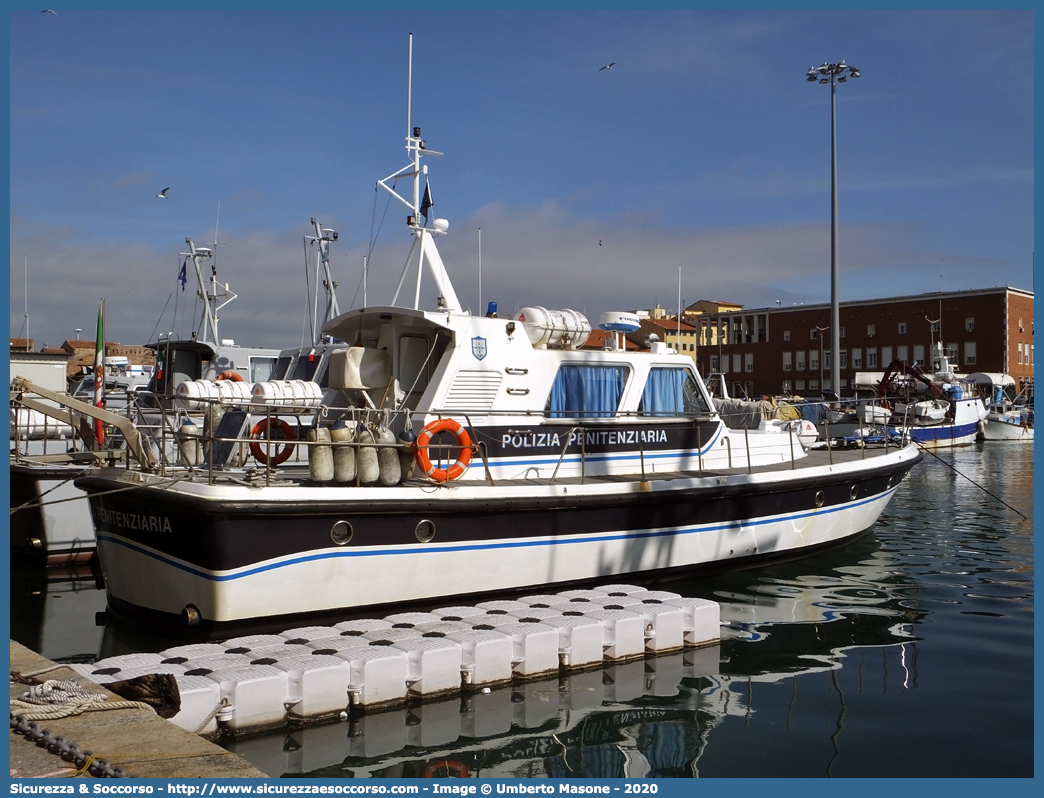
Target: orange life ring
(456, 470)
(230, 375)
(262, 430)
(453, 770)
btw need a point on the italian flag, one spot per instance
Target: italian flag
(99, 371)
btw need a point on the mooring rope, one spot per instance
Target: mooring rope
(62, 698)
(33, 504)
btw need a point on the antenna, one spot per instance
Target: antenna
(27, 344)
(679, 307)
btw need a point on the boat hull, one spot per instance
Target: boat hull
(231, 558)
(1001, 428)
(54, 522)
(962, 430)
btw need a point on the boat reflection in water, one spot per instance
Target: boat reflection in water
(54, 610)
(644, 718)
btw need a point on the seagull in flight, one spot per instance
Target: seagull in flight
(608, 66)
(163, 194)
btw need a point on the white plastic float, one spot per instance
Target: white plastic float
(322, 671)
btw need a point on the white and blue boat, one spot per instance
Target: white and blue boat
(464, 454)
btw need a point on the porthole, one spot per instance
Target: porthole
(820, 498)
(425, 531)
(854, 493)
(341, 533)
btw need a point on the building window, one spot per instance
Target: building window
(813, 385)
(843, 357)
(842, 333)
(786, 361)
(871, 330)
(786, 387)
(813, 360)
(1020, 324)
(737, 363)
(749, 361)
(857, 359)
(799, 385)
(800, 361)
(1020, 354)
(902, 353)
(969, 324)
(919, 353)
(902, 328)
(786, 335)
(969, 353)
(714, 363)
(813, 334)
(936, 325)
(871, 358)
(951, 352)
(826, 360)
(886, 354)
(737, 391)
(748, 389)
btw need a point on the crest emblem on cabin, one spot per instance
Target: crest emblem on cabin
(478, 347)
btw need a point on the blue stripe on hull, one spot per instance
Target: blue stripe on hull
(107, 538)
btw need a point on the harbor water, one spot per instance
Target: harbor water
(906, 652)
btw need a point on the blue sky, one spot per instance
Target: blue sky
(704, 148)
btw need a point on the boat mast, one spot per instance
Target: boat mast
(424, 237)
(210, 297)
(323, 237)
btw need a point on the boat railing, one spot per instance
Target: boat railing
(275, 433)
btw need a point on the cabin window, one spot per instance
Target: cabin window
(414, 366)
(307, 363)
(671, 392)
(184, 366)
(586, 391)
(261, 368)
(282, 366)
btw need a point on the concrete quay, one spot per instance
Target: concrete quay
(137, 740)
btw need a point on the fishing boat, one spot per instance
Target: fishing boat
(50, 447)
(461, 454)
(935, 410)
(1010, 413)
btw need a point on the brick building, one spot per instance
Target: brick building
(787, 349)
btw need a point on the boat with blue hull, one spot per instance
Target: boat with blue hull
(939, 410)
(456, 454)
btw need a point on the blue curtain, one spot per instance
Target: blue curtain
(587, 391)
(664, 392)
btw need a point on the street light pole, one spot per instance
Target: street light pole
(833, 74)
